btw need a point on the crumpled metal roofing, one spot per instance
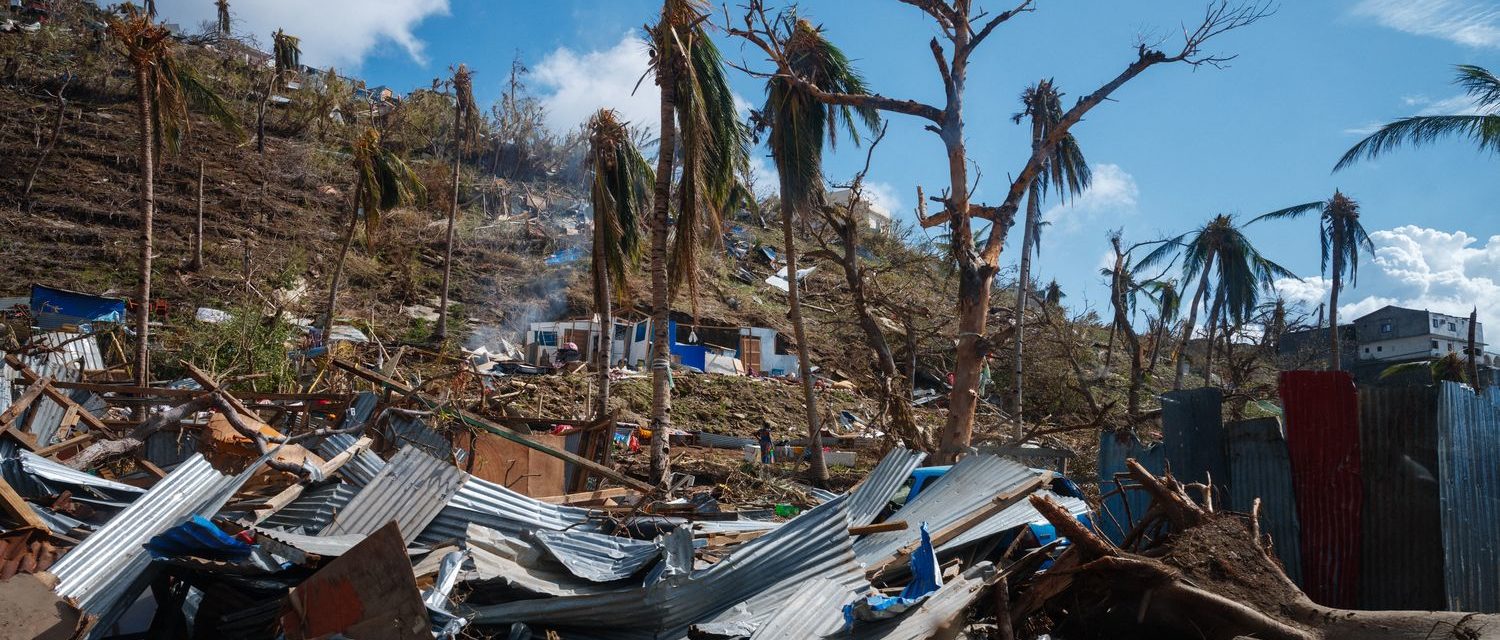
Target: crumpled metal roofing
(410, 490)
(492, 506)
(1016, 515)
(314, 509)
(719, 441)
(760, 575)
(871, 496)
(82, 350)
(598, 557)
(321, 545)
(945, 604)
(166, 449)
(104, 573)
(514, 567)
(967, 487)
(358, 471)
(36, 477)
(402, 430)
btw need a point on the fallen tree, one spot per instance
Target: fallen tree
(1213, 576)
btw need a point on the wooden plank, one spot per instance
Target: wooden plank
(69, 420)
(20, 404)
(587, 496)
(164, 392)
(17, 506)
(281, 500)
(894, 525)
(75, 441)
(481, 423)
(55, 394)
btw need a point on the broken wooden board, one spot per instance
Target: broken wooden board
(369, 592)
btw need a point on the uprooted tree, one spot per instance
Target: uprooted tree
(1212, 575)
(965, 27)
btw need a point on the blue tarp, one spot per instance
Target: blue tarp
(198, 537)
(73, 304)
(927, 578)
(565, 256)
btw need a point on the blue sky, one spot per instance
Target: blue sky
(1177, 146)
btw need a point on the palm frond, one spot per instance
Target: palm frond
(1482, 130)
(384, 180)
(1289, 212)
(1479, 83)
(620, 193)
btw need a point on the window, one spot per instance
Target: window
(1436, 323)
(1434, 345)
(546, 338)
(1380, 348)
(1385, 326)
(1450, 347)
(1367, 349)
(1452, 327)
(640, 331)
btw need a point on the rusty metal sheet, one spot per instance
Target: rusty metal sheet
(1469, 496)
(1322, 432)
(1259, 468)
(1401, 564)
(369, 592)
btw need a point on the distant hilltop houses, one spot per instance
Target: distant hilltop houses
(1393, 335)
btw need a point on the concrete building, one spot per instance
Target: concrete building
(874, 215)
(1396, 334)
(712, 349)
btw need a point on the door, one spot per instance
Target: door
(750, 353)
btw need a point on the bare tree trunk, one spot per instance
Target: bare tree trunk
(1335, 242)
(1109, 349)
(602, 303)
(57, 122)
(1213, 336)
(975, 275)
(197, 262)
(1161, 333)
(1118, 296)
(148, 209)
(817, 469)
(338, 267)
(661, 305)
(1023, 288)
(1187, 327)
(441, 332)
(260, 116)
(910, 326)
(901, 420)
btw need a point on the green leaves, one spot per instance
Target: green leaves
(621, 195)
(383, 181)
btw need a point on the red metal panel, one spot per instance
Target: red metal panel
(1322, 433)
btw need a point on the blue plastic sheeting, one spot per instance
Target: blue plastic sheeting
(1259, 467)
(199, 538)
(565, 256)
(1118, 513)
(1192, 437)
(1469, 497)
(73, 304)
(927, 577)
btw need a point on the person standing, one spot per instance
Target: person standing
(767, 450)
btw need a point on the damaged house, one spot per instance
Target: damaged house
(708, 348)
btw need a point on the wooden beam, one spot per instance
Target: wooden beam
(56, 395)
(75, 441)
(893, 525)
(164, 392)
(481, 423)
(20, 404)
(587, 496)
(281, 500)
(17, 506)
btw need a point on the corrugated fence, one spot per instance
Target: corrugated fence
(1469, 497)
(1322, 432)
(1120, 511)
(1260, 468)
(1192, 437)
(1402, 554)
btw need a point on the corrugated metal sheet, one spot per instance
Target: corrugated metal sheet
(1016, 515)
(1259, 468)
(969, 486)
(104, 573)
(410, 490)
(1193, 437)
(314, 509)
(359, 471)
(45, 414)
(166, 449)
(1401, 564)
(72, 348)
(1469, 497)
(495, 507)
(320, 545)
(7, 376)
(868, 499)
(946, 605)
(36, 477)
(1120, 512)
(762, 574)
(718, 441)
(1322, 432)
(791, 622)
(598, 557)
(512, 566)
(402, 430)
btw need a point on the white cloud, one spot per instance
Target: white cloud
(763, 176)
(884, 196)
(1473, 23)
(574, 85)
(333, 32)
(1416, 267)
(1113, 192)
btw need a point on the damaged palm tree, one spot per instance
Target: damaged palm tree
(165, 89)
(978, 254)
(382, 181)
(1212, 576)
(286, 55)
(465, 136)
(697, 106)
(223, 24)
(1068, 174)
(798, 123)
(620, 194)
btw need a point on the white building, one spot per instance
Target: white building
(1398, 334)
(731, 350)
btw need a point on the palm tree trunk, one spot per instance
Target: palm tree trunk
(1213, 337)
(1023, 292)
(1187, 327)
(441, 331)
(1161, 331)
(817, 468)
(338, 267)
(661, 358)
(197, 263)
(602, 304)
(148, 207)
(1109, 349)
(1333, 298)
